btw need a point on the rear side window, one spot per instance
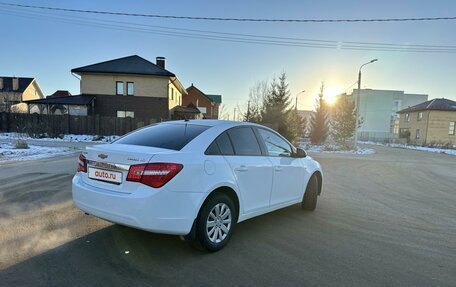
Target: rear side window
(244, 141)
(168, 136)
(220, 146)
(213, 149)
(224, 143)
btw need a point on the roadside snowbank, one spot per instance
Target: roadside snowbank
(334, 149)
(66, 138)
(9, 153)
(412, 147)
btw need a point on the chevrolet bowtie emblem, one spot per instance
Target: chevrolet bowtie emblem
(102, 156)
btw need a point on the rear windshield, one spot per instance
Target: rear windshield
(169, 136)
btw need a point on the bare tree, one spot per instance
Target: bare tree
(8, 100)
(223, 114)
(257, 94)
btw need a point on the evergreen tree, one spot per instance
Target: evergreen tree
(297, 125)
(343, 121)
(319, 122)
(276, 107)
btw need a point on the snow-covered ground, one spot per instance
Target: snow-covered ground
(412, 147)
(9, 153)
(334, 149)
(45, 147)
(66, 138)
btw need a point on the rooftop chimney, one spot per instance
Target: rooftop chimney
(1, 83)
(160, 62)
(15, 84)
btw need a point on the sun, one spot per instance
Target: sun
(330, 94)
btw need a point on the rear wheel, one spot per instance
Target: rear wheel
(216, 222)
(309, 200)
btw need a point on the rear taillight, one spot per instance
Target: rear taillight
(153, 174)
(82, 163)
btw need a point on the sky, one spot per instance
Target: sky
(46, 48)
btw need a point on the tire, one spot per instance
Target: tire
(218, 211)
(309, 200)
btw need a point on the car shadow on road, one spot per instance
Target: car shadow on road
(123, 256)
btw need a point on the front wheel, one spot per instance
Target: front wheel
(216, 222)
(309, 200)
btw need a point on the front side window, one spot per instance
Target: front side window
(407, 117)
(244, 141)
(451, 129)
(130, 88)
(417, 134)
(121, 114)
(275, 145)
(119, 88)
(172, 94)
(167, 136)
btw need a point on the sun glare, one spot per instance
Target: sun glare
(330, 94)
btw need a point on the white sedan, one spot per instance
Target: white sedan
(195, 178)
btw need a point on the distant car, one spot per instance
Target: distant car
(195, 178)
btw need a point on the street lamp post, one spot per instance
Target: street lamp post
(296, 100)
(358, 99)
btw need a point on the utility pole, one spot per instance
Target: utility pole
(234, 114)
(358, 96)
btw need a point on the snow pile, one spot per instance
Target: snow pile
(66, 138)
(336, 149)
(9, 152)
(412, 147)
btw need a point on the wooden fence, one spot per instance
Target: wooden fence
(54, 125)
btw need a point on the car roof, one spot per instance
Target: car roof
(211, 123)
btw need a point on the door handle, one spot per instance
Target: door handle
(241, 168)
(278, 168)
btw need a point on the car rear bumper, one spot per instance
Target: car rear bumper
(156, 210)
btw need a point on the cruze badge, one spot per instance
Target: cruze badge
(102, 156)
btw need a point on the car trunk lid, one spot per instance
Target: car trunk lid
(108, 164)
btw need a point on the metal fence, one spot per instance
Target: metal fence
(383, 137)
(55, 125)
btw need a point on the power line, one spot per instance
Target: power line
(230, 37)
(231, 19)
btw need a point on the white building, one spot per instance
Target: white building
(378, 112)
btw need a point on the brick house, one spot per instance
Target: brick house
(14, 91)
(131, 87)
(429, 123)
(207, 104)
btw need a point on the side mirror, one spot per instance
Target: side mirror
(300, 153)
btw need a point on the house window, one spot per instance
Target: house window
(130, 88)
(417, 134)
(420, 116)
(125, 114)
(407, 117)
(451, 128)
(119, 88)
(172, 94)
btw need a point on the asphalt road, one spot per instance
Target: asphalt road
(387, 219)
